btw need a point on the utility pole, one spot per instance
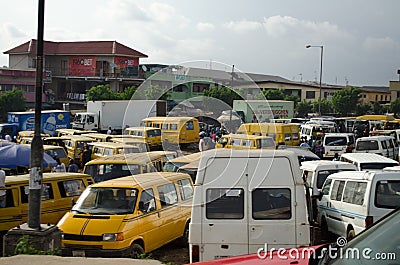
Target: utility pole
(36, 174)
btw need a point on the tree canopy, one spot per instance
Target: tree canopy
(345, 100)
(11, 101)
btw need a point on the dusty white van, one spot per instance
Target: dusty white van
(336, 143)
(351, 201)
(245, 199)
(315, 174)
(368, 161)
(381, 145)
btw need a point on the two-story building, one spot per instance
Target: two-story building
(71, 68)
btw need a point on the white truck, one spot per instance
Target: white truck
(247, 200)
(117, 114)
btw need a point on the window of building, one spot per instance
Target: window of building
(310, 94)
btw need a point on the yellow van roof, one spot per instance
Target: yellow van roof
(132, 157)
(46, 176)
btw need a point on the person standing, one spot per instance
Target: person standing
(87, 154)
(2, 192)
(319, 149)
(60, 166)
(73, 167)
(202, 143)
(109, 131)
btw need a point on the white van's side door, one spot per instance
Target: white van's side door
(272, 204)
(224, 225)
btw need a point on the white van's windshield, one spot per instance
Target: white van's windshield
(387, 194)
(106, 201)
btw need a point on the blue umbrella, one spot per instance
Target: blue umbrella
(16, 155)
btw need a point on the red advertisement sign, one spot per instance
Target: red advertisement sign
(82, 66)
(125, 62)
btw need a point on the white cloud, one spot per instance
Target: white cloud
(242, 26)
(204, 26)
(379, 44)
(13, 32)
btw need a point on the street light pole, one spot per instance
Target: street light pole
(320, 75)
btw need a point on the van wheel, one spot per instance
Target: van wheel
(136, 251)
(184, 240)
(351, 233)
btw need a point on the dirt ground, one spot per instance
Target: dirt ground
(172, 254)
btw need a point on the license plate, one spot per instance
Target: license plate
(78, 253)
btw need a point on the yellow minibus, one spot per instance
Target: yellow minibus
(102, 149)
(115, 166)
(175, 130)
(66, 132)
(74, 145)
(137, 142)
(129, 216)
(174, 164)
(280, 132)
(58, 189)
(99, 137)
(243, 141)
(151, 135)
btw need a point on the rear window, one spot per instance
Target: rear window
(367, 145)
(225, 203)
(269, 203)
(335, 141)
(387, 194)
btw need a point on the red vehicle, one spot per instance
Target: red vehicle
(379, 244)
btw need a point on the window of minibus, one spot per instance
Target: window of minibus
(185, 189)
(47, 193)
(222, 203)
(337, 190)
(164, 126)
(98, 151)
(70, 188)
(189, 125)
(111, 171)
(108, 151)
(57, 152)
(128, 150)
(354, 192)
(387, 194)
(322, 175)
(173, 126)
(168, 195)
(271, 203)
(235, 142)
(335, 140)
(326, 187)
(367, 145)
(147, 201)
(152, 133)
(266, 143)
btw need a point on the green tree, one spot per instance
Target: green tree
(326, 106)
(377, 107)
(345, 100)
(363, 108)
(11, 101)
(274, 94)
(128, 92)
(224, 94)
(156, 92)
(293, 98)
(102, 92)
(303, 108)
(395, 106)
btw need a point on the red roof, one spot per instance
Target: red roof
(77, 48)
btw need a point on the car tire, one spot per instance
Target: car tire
(184, 239)
(325, 235)
(135, 251)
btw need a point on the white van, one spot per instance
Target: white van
(368, 161)
(244, 199)
(315, 174)
(351, 201)
(337, 143)
(381, 145)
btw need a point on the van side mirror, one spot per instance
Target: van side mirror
(320, 195)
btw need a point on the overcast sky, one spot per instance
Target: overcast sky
(361, 38)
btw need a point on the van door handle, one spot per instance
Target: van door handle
(210, 224)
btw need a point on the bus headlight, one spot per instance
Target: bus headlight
(113, 237)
